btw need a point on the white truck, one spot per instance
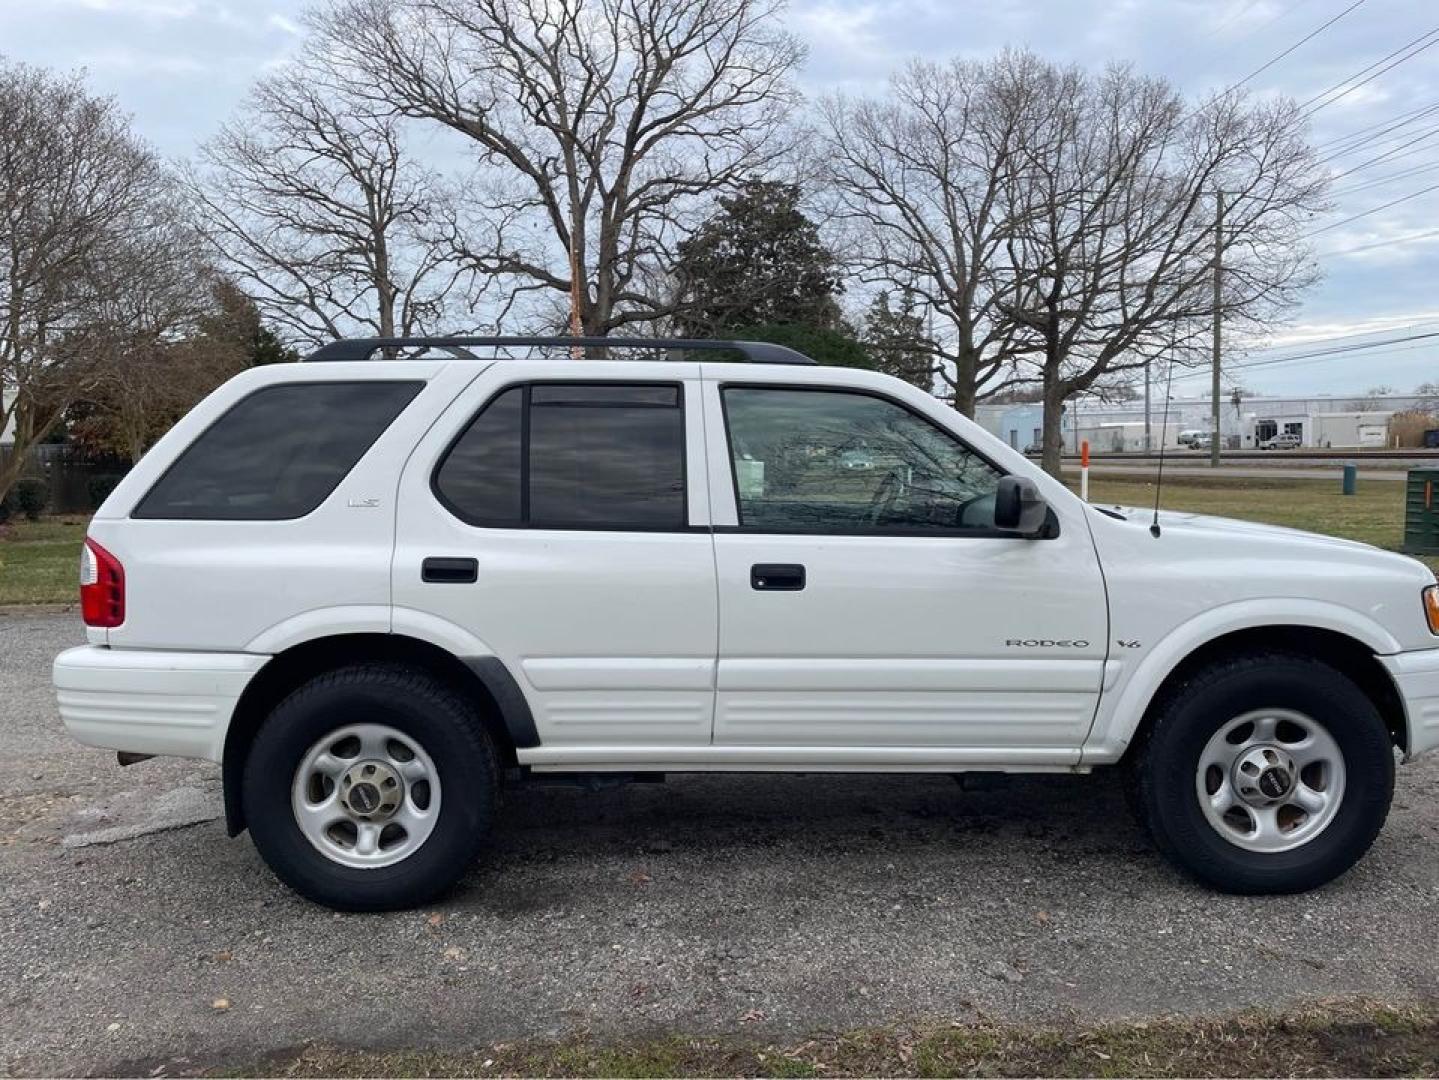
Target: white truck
(372, 584)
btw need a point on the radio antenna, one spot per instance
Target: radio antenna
(1163, 436)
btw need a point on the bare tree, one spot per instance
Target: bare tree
(313, 207)
(1063, 225)
(150, 357)
(1113, 207)
(75, 189)
(919, 178)
(599, 126)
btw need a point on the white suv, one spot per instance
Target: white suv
(370, 587)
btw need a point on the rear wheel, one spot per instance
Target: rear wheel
(370, 788)
(1266, 774)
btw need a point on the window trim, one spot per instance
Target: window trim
(525, 525)
(419, 388)
(1052, 527)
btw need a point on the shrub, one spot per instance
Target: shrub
(98, 487)
(31, 495)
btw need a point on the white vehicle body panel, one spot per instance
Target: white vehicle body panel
(1205, 577)
(1416, 675)
(228, 585)
(151, 702)
(650, 650)
(908, 641)
(611, 635)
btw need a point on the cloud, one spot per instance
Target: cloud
(134, 61)
(152, 9)
(181, 67)
(1304, 333)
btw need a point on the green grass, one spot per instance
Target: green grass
(1337, 1039)
(1374, 514)
(39, 560)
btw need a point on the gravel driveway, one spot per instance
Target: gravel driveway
(134, 935)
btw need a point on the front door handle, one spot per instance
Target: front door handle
(776, 577)
(447, 570)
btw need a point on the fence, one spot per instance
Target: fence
(77, 484)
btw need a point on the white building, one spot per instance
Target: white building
(1321, 421)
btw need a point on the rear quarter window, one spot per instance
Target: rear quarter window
(278, 453)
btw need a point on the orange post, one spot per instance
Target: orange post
(1084, 470)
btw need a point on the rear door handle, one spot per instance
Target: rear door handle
(446, 570)
(776, 577)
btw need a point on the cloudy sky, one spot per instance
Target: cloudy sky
(181, 66)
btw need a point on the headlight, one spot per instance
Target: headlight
(1431, 607)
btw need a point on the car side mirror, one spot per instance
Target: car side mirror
(1019, 507)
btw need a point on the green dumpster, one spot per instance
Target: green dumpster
(1421, 512)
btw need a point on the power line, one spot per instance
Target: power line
(1409, 332)
(1379, 348)
(1385, 351)
(1378, 137)
(1375, 210)
(1361, 134)
(1339, 350)
(1240, 366)
(1244, 10)
(1254, 30)
(1381, 181)
(1329, 339)
(1307, 37)
(1395, 242)
(1342, 350)
(1404, 149)
(1350, 89)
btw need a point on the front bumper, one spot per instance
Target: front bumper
(146, 702)
(1416, 676)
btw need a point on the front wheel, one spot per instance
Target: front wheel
(370, 788)
(1266, 774)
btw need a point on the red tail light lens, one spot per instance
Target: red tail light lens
(102, 587)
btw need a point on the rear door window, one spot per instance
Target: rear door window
(278, 453)
(571, 456)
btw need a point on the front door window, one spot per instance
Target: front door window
(835, 462)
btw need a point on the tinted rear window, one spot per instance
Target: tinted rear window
(278, 453)
(607, 456)
(481, 475)
(571, 455)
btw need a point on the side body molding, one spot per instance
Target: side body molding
(476, 655)
(509, 698)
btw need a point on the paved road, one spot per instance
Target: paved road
(765, 905)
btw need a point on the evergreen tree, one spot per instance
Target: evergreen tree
(896, 340)
(834, 347)
(759, 261)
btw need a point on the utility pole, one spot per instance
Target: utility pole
(929, 333)
(1148, 446)
(577, 326)
(1218, 274)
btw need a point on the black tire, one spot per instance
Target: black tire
(414, 703)
(1164, 771)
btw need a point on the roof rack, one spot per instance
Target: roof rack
(756, 352)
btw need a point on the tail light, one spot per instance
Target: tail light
(1431, 607)
(102, 587)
